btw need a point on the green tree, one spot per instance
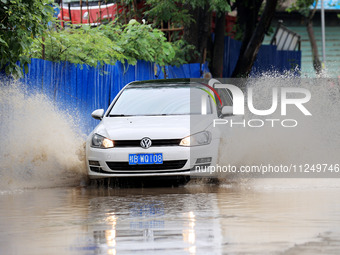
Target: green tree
(21, 22)
(107, 43)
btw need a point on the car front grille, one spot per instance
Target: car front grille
(124, 166)
(155, 143)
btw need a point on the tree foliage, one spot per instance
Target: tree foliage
(21, 21)
(194, 15)
(107, 44)
(167, 10)
(24, 33)
(302, 6)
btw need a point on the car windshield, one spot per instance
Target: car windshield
(160, 100)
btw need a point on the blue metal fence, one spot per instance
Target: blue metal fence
(269, 59)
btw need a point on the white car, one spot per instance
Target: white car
(157, 128)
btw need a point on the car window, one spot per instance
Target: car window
(159, 100)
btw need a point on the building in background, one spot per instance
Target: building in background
(295, 22)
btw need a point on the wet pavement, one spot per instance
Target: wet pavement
(266, 216)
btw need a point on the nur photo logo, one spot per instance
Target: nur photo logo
(281, 97)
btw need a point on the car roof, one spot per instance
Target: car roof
(164, 82)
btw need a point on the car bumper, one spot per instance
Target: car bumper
(177, 161)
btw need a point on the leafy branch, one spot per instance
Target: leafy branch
(107, 44)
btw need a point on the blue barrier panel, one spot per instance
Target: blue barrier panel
(290, 60)
(231, 52)
(269, 59)
(194, 70)
(266, 60)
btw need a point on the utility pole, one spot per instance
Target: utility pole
(323, 34)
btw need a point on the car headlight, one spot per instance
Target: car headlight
(201, 138)
(99, 141)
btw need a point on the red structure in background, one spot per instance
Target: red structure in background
(87, 12)
(230, 22)
(229, 25)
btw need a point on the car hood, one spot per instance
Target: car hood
(154, 127)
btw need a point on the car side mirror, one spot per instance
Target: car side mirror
(227, 111)
(98, 114)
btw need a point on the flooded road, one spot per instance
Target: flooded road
(264, 216)
(260, 216)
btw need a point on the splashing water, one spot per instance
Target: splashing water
(315, 140)
(40, 145)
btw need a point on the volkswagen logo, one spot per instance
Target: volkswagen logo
(145, 143)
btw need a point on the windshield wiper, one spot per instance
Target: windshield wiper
(119, 115)
(160, 114)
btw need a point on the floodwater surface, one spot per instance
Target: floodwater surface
(266, 216)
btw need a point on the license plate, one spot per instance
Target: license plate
(145, 159)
